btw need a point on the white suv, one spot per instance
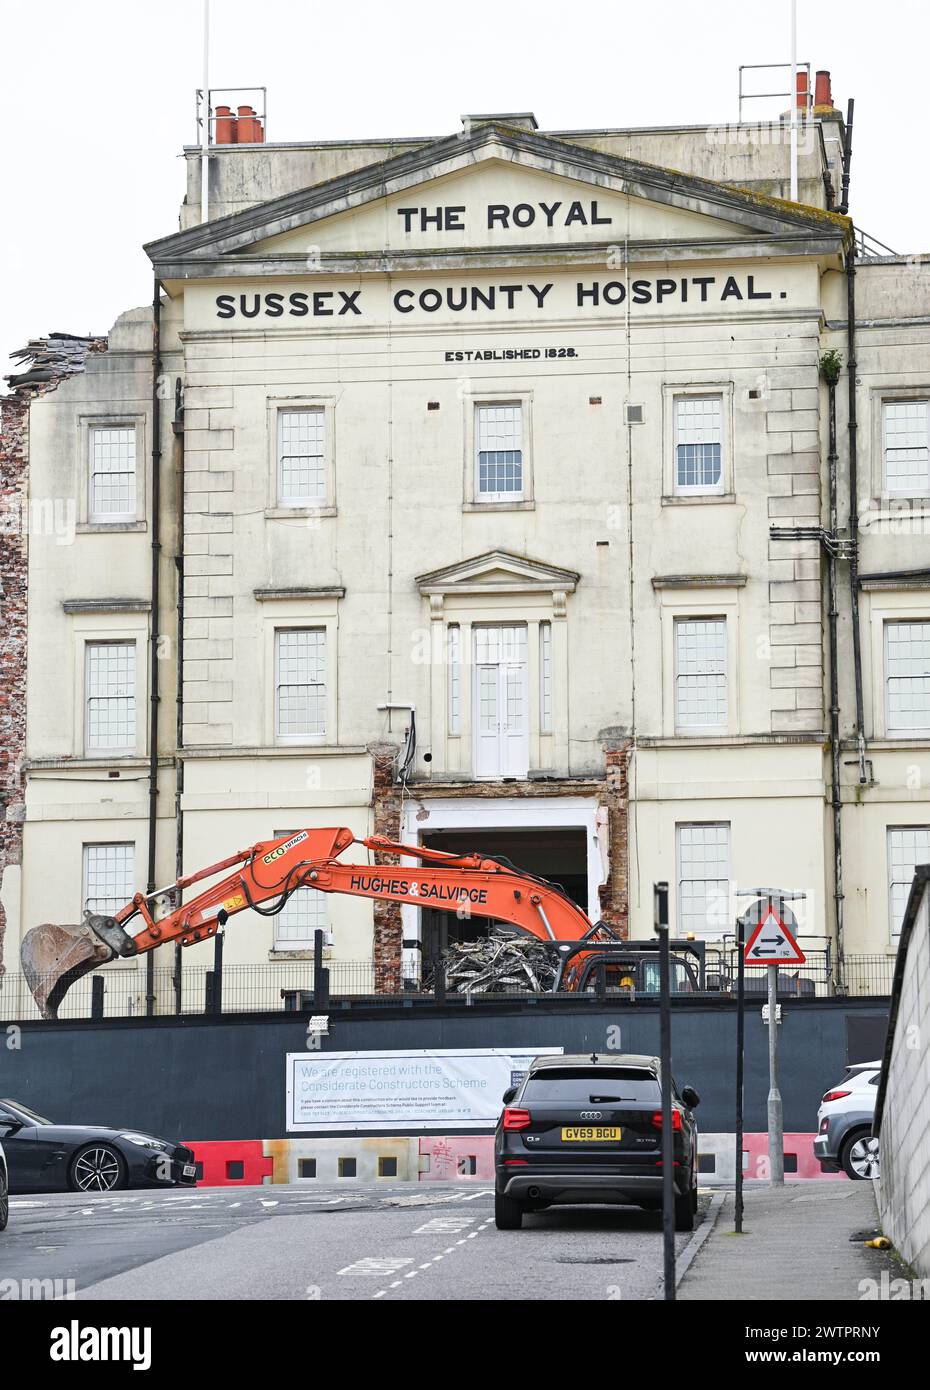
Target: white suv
(844, 1124)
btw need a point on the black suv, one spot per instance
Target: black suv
(588, 1129)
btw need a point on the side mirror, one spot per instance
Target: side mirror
(10, 1126)
(509, 1094)
(690, 1097)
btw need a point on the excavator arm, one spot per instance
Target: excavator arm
(263, 877)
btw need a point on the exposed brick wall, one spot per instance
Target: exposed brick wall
(14, 426)
(50, 361)
(388, 932)
(614, 894)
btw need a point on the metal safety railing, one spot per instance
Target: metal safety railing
(295, 986)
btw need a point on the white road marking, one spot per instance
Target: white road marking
(444, 1225)
(375, 1265)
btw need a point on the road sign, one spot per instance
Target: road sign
(772, 943)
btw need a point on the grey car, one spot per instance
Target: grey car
(844, 1139)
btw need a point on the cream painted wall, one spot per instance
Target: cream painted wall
(403, 468)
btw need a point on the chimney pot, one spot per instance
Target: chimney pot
(250, 128)
(801, 89)
(224, 126)
(823, 91)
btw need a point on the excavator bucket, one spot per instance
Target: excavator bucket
(54, 956)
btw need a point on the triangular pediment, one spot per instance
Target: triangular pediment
(499, 190)
(497, 572)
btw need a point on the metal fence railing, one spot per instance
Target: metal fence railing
(289, 985)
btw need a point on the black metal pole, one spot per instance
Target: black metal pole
(96, 997)
(665, 1050)
(317, 968)
(218, 972)
(740, 1049)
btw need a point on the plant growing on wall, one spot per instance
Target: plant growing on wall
(831, 364)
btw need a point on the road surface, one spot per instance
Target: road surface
(377, 1241)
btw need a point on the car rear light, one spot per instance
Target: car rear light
(835, 1095)
(516, 1119)
(676, 1119)
(516, 1163)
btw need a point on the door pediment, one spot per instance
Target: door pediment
(498, 572)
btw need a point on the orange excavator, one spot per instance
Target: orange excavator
(264, 876)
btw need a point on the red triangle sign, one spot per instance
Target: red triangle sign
(772, 943)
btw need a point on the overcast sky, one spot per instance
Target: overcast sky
(99, 101)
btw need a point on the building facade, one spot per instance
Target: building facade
(435, 495)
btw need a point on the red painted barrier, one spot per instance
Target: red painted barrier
(756, 1162)
(231, 1162)
(458, 1156)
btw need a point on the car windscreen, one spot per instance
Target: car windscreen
(22, 1112)
(591, 1084)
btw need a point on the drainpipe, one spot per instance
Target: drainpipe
(853, 427)
(154, 629)
(178, 427)
(835, 770)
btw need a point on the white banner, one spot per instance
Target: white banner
(449, 1088)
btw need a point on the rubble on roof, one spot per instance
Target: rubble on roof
(53, 358)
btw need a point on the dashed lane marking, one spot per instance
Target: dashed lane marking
(444, 1225)
(373, 1265)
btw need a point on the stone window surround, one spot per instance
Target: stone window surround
(894, 606)
(462, 595)
(274, 405)
(299, 608)
(671, 390)
(96, 625)
(100, 420)
(699, 596)
(876, 398)
(471, 499)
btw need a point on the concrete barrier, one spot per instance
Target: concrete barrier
(452, 1158)
(457, 1157)
(231, 1163)
(360, 1158)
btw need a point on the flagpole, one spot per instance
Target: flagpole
(205, 119)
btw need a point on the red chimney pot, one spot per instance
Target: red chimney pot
(823, 91)
(224, 129)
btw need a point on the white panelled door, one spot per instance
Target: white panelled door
(501, 702)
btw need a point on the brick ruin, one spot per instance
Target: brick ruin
(49, 361)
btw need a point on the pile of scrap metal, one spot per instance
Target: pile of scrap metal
(503, 962)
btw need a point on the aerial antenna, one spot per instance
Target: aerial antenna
(205, 119)
(794, 101)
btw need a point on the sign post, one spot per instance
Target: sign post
(775, 1112)
(740, 1050)
(772, 944)
(660, 893)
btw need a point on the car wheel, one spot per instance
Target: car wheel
(684, 1212)
(860, 1157)
(97, 1168)
(508, 1213)
(694, 1199)
(4, 1201)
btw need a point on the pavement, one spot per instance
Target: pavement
(795, 1245)
(377, 1241)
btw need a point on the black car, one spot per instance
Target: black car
(588, 1129)
(4, 1192)
(44, 1157)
